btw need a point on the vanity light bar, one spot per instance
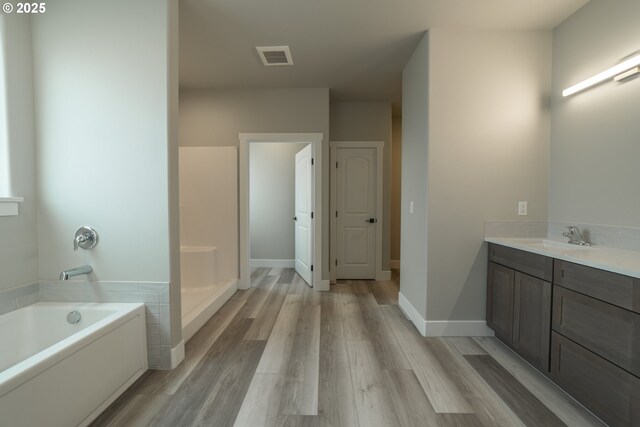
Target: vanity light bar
(607, 74)
(626, 74)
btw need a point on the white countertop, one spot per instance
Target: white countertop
(610, 259)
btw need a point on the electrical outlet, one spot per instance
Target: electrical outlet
(411, 207)
(522, 208)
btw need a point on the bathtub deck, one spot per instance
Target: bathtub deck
(282, 354)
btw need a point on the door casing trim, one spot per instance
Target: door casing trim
(315, 139)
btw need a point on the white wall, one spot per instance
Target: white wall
(216, 117)
(5, 188)
(107, 144)
(173, 129)
(396, 187)
(415, 156)
(19, 241)
(102, 109)
(488, 149)
(272, 200)
(595, 134)
(368, 121)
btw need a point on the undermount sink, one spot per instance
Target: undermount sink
(553, 245)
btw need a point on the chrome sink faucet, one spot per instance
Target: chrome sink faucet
(85, 269)
(575, 236)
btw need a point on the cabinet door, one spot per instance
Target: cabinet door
(611, 393)
(532, 319)
(500, 286)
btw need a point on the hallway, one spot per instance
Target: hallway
(282, 354)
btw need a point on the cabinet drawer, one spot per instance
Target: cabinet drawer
(607, 330)
(611, 393)
(617, 289)
(532, 264)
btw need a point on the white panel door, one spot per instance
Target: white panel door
(303, 207)
(356, 208)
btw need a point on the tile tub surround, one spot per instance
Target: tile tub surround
(18, 297)
(155, 296)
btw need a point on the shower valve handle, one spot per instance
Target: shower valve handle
(85, 238)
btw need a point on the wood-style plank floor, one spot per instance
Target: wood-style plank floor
(281, 354)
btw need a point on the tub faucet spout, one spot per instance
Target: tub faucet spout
(85, 269)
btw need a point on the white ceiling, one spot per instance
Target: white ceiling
(357, 48)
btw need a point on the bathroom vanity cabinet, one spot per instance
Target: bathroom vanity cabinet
(595, 345)
(519, 302)
(577, 324)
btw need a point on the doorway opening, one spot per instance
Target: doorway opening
(280, 207)
(304, 220)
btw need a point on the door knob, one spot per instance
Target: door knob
(370, 220)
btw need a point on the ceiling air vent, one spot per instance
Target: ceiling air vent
(275, 55)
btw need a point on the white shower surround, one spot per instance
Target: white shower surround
(208, 232)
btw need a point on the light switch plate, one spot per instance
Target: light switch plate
(522, 208)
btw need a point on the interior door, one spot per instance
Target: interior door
(303, 211)
(356, 208)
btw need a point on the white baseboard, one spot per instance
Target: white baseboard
(383, 275)
(394, 264)
(443, 328)
(277, 263)
(244, 283)
(323, 285)
(412, 314)
(458, 328)
(177, 355)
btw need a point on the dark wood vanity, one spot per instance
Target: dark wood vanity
(578, 325)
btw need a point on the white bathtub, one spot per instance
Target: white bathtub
(54, 373)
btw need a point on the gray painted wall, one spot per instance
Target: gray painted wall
(595, 134)
(216, 117)
(488, 149)
(368, 121)
(474, 144)
(272, 200)
(415, 141)
(396, 186)
(173, 143)
(19, 241)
